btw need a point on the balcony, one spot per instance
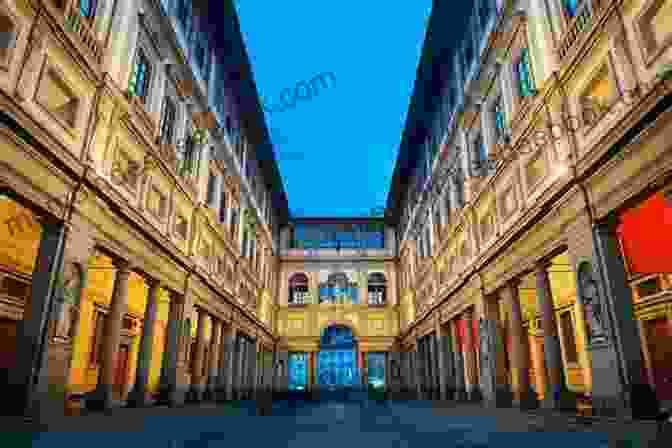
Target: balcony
(78, 28)
(581, 24)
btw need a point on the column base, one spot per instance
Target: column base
(527, 400)
(475, 395)
(137, 399)
(562, 399)
(461, 395)
(99, 400)
(503, 396)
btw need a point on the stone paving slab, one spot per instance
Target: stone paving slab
(323, 425)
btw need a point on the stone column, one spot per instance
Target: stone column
(618, 358)
(252, 371)
(29, 372)
(227, 368)
(197, 374)
(556, 396)
(138, 397)
(443, 360)
(431, 366)
(102, 397)
(523, 394)
(170, 391)
(280, 358)
(473, 388)
(460, 380)
(239, 381)
(213, 361)
(494, 382)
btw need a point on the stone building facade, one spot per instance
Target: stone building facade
(548, 123)
(140, 208)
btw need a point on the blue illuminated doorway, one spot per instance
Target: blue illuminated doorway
(337, 359)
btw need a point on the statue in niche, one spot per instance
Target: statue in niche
(68, 297)
(590, 299)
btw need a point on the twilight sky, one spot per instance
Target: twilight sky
(336, 151)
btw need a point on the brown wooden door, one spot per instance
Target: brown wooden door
(121, 371)
(659, 332)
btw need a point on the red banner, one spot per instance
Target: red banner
(646, 236)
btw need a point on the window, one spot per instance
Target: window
(297, 371)
(234, 223)
(87, 8)
(298, 289)
(377, 289)
(141, 76)
(499, 118)
(184, 14)
(187, 157)
(222, 207)
(569, 340)
(96, 337)
(524, 74)
(212, 184)
(570, 7)
(480, 162)
(168, 116)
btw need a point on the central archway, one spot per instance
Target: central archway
(337, 359)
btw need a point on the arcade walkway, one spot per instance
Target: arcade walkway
(330, 424)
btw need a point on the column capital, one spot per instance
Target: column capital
(542, 266)
(123, 266)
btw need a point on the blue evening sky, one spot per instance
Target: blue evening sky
(336, 152)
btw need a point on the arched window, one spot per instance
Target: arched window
(338, 289)
(87, 8)
(298, 289)
(377, 289)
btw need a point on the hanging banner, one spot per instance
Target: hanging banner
(646, 236)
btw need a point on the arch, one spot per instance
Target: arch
(298, 278)
(377, 289)
(298, 289)
(340, 323)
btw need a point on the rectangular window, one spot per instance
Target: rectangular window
(571, 354)
(499, 118)
(524, 74)
(212, 183)
(222, 207)
(168, 117)
(141, 77)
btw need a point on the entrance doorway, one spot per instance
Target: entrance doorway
(337, 359)
(121, 372)
(659, 338)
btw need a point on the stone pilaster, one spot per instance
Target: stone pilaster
(29, 377)
(618, 358)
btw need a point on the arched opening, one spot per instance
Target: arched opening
(377, 289)
(337, 360)
(338, 289)
(298, 289)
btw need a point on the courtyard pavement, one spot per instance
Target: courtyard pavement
(330, 424)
